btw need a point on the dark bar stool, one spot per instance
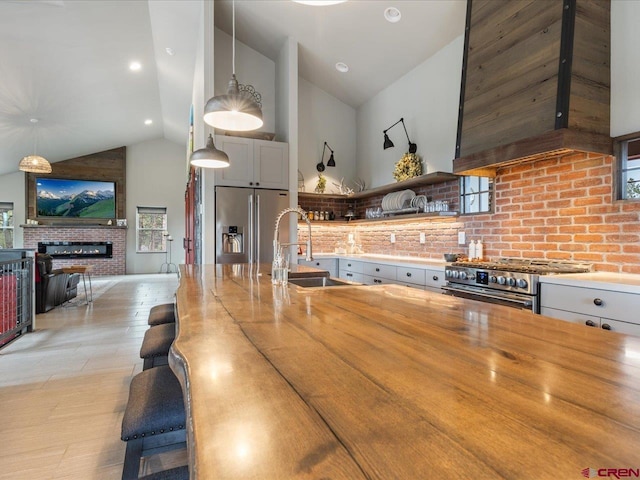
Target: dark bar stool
(154, 420)
(163, 313)
(156, 343)
(178, 473)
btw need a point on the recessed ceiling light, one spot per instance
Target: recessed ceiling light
(148, 121)
(34, 120)
(170, 51)
(392, 14)
(135, 66)
(319, 3)
(342, 67)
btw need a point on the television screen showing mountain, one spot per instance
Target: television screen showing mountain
(75, 198)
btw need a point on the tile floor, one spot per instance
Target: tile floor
(64, 387)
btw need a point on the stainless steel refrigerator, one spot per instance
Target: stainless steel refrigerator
(245, 221)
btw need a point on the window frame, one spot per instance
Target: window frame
(463, 194)
(141, 210)
(10, 226)
(620, 167)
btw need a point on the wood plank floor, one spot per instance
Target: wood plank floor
(64, 387)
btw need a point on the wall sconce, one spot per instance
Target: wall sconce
(330, 163)
(388, 143)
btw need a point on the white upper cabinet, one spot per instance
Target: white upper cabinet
(253, 163)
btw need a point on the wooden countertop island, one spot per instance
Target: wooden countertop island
(391, 382)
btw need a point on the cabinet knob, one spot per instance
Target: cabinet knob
(250, 183)
(257, 183)
(377, 269)
(606, 326)
(590, 323)
(598, 302)
(408, 274)
(435, 278)
(348, 264)
(349, 274)
(317, 264)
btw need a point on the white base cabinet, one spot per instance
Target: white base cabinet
(606, 309)
(328, 264)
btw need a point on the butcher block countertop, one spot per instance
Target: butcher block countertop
(391, 382)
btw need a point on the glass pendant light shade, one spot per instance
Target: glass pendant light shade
(209, 156)
(236, 111)
(34, 164)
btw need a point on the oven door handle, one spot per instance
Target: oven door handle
(525, 302)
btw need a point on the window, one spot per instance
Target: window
(151, 229)
(628, 154)
(476, 194)
(6, 225)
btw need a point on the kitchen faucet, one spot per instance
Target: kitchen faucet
(276, 233)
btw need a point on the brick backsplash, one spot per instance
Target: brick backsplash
(558, 208)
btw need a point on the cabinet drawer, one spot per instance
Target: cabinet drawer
(376, 280)
(582, 319)
(434, 279)
(380, 271)
(591, 301)
(351, 276)
(328, 264)
(351, 266)
(408, 275)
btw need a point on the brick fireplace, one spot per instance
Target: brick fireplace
(115, 236)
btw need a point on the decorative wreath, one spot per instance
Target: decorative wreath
(408, 166)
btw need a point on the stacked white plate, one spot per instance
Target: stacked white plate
(397, 200)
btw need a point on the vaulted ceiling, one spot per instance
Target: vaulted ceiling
(66, 63)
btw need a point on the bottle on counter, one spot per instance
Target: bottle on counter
(310, 215)
(472, 250)
(479, 250)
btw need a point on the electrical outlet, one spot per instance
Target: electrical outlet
(462, 239)
(423, 238)
(393, 238)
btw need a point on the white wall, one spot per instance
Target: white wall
(155, 178)
(324, 118)
(427, 98)
(12, 189)
(625, 68)
(252, 68)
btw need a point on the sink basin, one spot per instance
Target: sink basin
(320, 282)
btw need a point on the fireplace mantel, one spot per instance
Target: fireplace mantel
(76, 225)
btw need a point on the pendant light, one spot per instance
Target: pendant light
(240, 110)
(34, 163)
(209, 156)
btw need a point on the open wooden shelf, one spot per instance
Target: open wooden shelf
(422, 180)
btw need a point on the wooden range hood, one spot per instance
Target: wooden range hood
(535, 82)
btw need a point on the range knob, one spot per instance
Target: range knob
(502, 280)
(456, 274)
(522, 283)
(493, 279)
(511, 282)
(463, 275)
(471, 276)
(448, 273)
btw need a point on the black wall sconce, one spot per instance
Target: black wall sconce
(330, 163)
(388, 143)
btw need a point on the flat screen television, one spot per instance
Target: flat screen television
(64, 198)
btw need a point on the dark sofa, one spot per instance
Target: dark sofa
(53, 287)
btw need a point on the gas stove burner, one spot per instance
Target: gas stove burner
(524, 265)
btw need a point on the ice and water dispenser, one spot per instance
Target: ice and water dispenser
(232, 243)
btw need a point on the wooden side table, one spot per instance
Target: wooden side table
(85, 271)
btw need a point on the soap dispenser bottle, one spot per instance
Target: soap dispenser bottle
(472, 250)
(479, 250)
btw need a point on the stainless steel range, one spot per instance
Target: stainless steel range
(506, 281)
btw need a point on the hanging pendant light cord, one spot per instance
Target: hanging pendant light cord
(233, 44)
